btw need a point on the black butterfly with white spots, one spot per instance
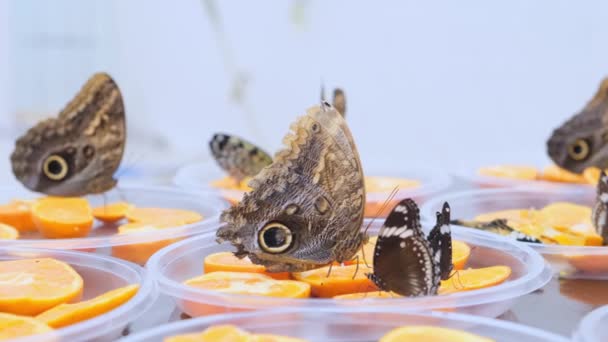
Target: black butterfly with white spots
(405, 261)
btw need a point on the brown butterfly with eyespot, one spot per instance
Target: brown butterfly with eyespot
(306, 208)
(77, 152)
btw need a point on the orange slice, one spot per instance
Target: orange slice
(230, 183)
(592, 238)
(163, 216)
(66, 314)
(477, 278)
(424, 333)
(140, 252)
(31, 286)
(387, 184)
(250, 283)
(366, 254)
(18, 214)
(460, 254)
(226, 261)
(510, 171)
(565, 215)
(592, 175)
(218, 333)
(14, 326)
(554, 173)
(112, 212)
(8, 232)
(59, 217)
(340, 280)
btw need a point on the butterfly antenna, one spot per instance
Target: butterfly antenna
(322, 91)
(364, 258)
(457, 274)
(382, 208)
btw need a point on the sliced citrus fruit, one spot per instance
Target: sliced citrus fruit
(250, 283)
(8, 232)
(592, 175)
(565, 215)
(592, 238)
(66, 314)
(230, 183)
(555, 173)
(564, 237)
(366, 254)
(460, 254)
(62, 217)
(387, 184)
(341, 280)
(424, 333)
(226, 261)
(112, 212)
(18, 214)
(15, 326)
(510, 171)
(475, 278)
(218, 333)
(163, 215)
(140, 252)
(31, 286)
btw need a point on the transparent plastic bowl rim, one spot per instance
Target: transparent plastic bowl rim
(102, 324)
(538, 274)
(429, 207)
(179, 327)
(587, 330)
(209, 199)
(436, 181)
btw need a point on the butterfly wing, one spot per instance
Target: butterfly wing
(440, 239)
(305, 209)
(238, 157)
(404, 261)
(78, 152)
(600, 210)
(500, 227)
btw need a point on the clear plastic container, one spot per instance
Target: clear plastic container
(100, 274)
(585, 262)
(135, 247)
(357, 324)
(593, 327)
(201, 175)
(184, 260)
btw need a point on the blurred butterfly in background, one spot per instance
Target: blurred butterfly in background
(405, 261)
(599, 215)
(78, 152)
(582, 141)
(338, 100)
(500, 227)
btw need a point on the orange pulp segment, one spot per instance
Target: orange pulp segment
(460, 254)
(251, 284)
(112, 212)
(226, 261)
(140, 252)
(510, 171)
(62, 217)
(472, 279)
(31, 286)
(66, 314)
(340, 280)
(387, 184)
(430, 334)
(163, 215)
(556, 174)
(15, 326)
(8, 232)
(230, 183)
(18, 214)
(217, 333)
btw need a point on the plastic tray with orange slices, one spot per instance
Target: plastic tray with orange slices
(182, 261)
(357, 324)
(588, 262)
(99, 274)
(140, 243)
(548, 177)
(593, 327)
(414, 182)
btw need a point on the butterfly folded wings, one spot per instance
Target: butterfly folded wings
(599, 215)
(78, 152)
(305, 210)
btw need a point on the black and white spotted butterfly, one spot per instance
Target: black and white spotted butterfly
(600, 210)
(405, 261)
(238, 157)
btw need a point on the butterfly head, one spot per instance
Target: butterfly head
(78, 152)
(582, 141)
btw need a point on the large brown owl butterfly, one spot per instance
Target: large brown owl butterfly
(77, 152)
(405, 261)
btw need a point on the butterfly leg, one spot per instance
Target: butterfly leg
(356, 268)
(329, 270)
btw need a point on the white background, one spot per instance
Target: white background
(446, 84)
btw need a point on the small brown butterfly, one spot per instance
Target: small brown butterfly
(306, 208)
(77, 152)
(238, 157)
(582, 141)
